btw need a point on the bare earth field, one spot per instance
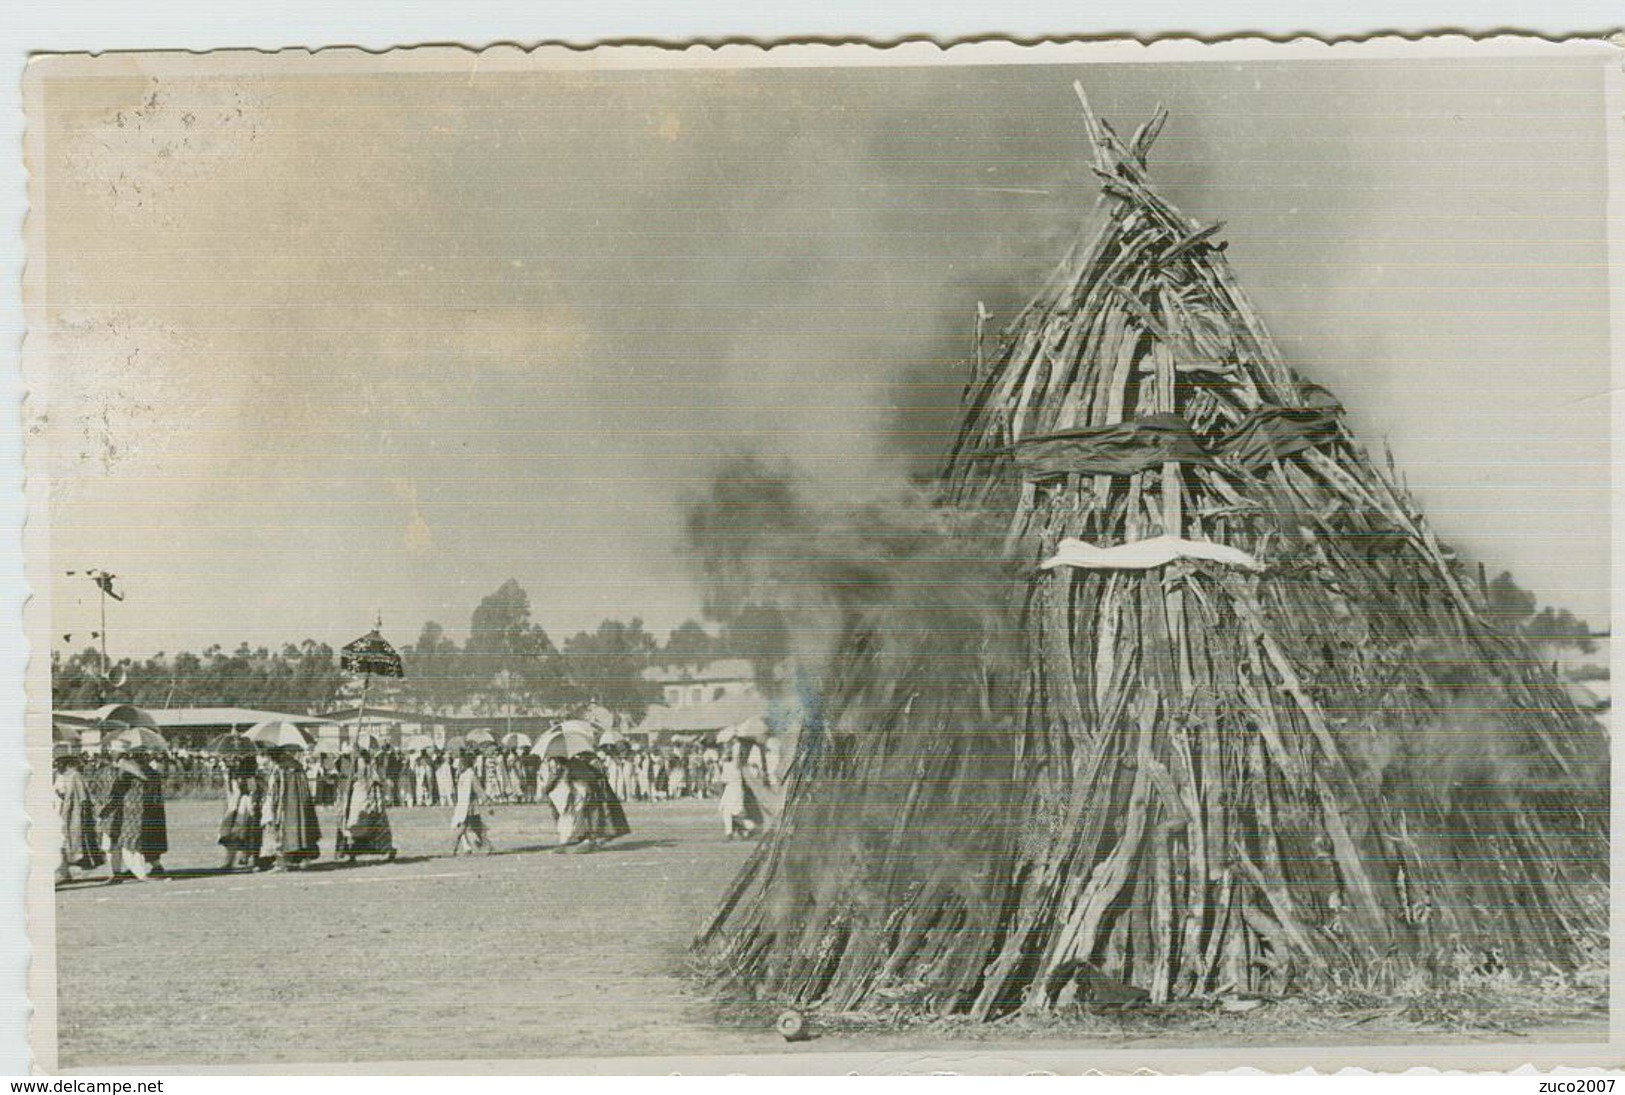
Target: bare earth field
(519, 955)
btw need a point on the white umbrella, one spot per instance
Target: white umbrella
(417, 743)
(515, 740)
(566, 740)
(133, 739)
(277, 734)
(753, 727)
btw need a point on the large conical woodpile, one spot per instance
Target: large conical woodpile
(1257, 734)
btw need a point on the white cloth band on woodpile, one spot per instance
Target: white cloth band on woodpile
(1146, 554)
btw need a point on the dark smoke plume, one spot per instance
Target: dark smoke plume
(921, 589)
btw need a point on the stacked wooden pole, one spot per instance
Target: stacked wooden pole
(1197, 779)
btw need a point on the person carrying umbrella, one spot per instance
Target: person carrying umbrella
(590, 814)
(77, 808)
(240, 833)
(364, 808)
(292, 832)
(133, 817)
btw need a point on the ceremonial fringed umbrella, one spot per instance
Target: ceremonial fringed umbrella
(371, 656)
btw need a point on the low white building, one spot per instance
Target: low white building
(697, 685)
(185, 727)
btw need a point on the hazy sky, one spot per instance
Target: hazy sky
(324, 347)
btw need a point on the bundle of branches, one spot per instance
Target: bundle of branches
(890, 863)
(1263, 738)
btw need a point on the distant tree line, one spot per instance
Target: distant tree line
(507, 664)
(1516, 610)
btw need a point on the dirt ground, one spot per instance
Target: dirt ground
(523, 954)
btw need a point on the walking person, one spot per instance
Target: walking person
(240, 828)
(363, 801)
(468, 815)
(584, 805)
(77, 808)
(137, 828)
(293, 832)
(744, 813)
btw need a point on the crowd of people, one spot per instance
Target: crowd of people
(113, 805)
(427, 777)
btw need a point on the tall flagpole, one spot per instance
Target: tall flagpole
(107, 671)
(104, 586)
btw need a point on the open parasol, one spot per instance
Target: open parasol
(134, 739)
(566, 740)
(417, 743)
(371, 656)
(755, 728)
(484, 739)
(117, 716)
(232, 745)
(67, 733)
(515, 740)
(278, 734)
